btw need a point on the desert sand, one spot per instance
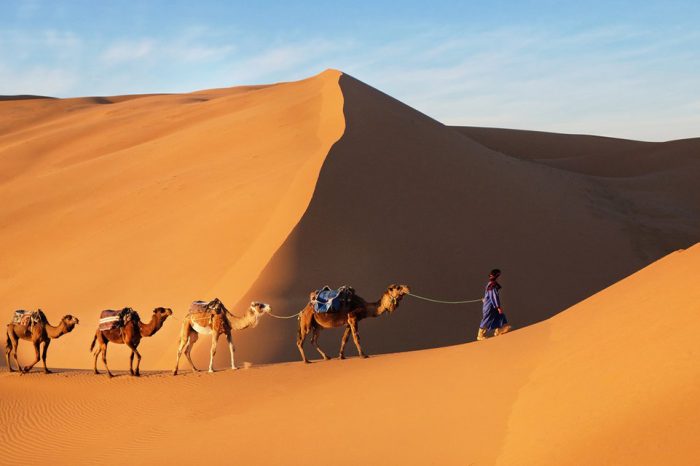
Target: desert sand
(268, 192)
(613, 380)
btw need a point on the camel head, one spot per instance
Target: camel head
(162, 313)
(260, 308)
(395, 293)
(70, 322)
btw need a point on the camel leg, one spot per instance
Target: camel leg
(356, 338)
(43, 355)
(97, 354)
(36, 360)
(103, 347)
(15, 348)
(301, 336)
(231, 349)
(314, 341)
(131, 363)
(134, 351)
(194, 336)
(343, 341)
(212, 352)
(10, 345)
(184, 342)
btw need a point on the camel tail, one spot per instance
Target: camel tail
(94, 340)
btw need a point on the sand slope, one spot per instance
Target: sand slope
(403, 198)
(613, 380)
(153, 200)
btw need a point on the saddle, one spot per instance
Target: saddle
(110, 320)
(327, 300)
(202, 314)
(28, 318)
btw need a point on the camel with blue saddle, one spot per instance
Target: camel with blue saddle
(345, 309)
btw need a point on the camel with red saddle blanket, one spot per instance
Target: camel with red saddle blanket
(33, 326)
(212, 318)
(125, 327)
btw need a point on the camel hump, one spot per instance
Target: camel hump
(329, 300)
(22, 317)
(110, 319)
(205, 306)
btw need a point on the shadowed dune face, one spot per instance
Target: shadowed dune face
(154, 200)
(404, 198)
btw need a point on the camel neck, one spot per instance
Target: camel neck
(57, 331)
(240, 323)
(150, 328)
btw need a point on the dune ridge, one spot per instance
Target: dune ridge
(404, 198)
(153, 200)
(267, 192)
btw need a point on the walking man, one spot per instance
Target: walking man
(493, 316)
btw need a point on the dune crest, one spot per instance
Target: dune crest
(154, 200)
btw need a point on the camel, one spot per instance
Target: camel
(348, 316)
(130, 335)
(40, 332)
(214, 319)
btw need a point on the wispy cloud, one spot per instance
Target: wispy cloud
(609, 80)
(126, 51)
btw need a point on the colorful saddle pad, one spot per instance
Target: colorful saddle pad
(115, 319)
(22, 317)
(329, 300)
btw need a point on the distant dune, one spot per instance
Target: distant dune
(613, 380)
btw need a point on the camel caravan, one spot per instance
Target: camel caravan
(326, 308)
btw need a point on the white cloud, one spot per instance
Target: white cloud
(126, 51)
(38, 80)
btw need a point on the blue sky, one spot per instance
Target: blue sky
(624, 69)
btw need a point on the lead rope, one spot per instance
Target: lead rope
(445, 302)
(284, 317)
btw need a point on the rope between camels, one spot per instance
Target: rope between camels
(445, 302)
(284, 317)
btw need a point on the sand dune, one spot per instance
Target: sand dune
(153, 200)
(267, 192)
(613, 380)
(403, 198)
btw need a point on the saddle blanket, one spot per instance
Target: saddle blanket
(22, 317)
(329, 300)
(112, 319)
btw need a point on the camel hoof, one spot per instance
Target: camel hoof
(211, 371)
(341, 356)
(174, 372)
(110, 375)
(234, 368)
(326, 358)
(46, 371)
(364, 356)
(306, 361)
